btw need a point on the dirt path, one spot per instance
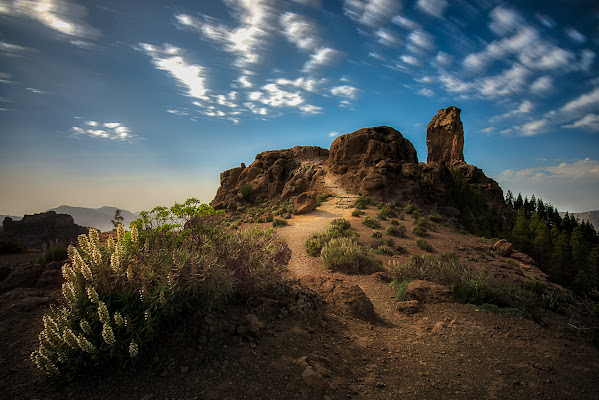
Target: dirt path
(302, 264)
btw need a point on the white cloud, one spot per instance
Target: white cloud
(377, 56)
(246, 41)
(411, 60)
(307, 84)
(582, 104)
(589, 121)
(386, 37)
(106, 130)
(524, 108)
(504, 20)
(170, 59)
(453, 84)
(587, 58)
(322, 58)
(244, 81)
(345, 91)
(405, 23)
(575, 35)
(444, 59)
(542, 85)
(333, 134)
(372, 13)
(508, 82)
(300, 31)
(488, 130)
(63, 16)
(586, 171)
(545, 56)
(10, 49)
(426, 92)
(421, 39)
(272, 95)
(36, 91)
(436, 8)
(425, 79)
(310, 109)
(534, 127)
(310, 3)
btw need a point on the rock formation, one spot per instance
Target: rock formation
(445, 137)
(34, 230)
(377, 162)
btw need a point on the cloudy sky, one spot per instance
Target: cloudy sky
(135, 104)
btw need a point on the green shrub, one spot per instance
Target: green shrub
(314, 243)
(422, 222)
(424, 245)
(119, 297)
(376, 234)
(346, 255)
(436, 218)
(399, 231)
(415, 215)
(371, 223)
(56, 251)
(395, 222)
(279, 222)
(363, 202)
(385, 250)
(339, 227)
(402, 289)
(246, 191)
(341, 223)
(356, 213)
(420, 231)
(10, 246)
(321, 198)
(389, 242)
(286, 215)
(410, 208)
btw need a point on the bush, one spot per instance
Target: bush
(376, 234)
(422, 222)
(246, 191)
(389, 242)
(346, 255)
(402, 289)
(279, 222)
(436, 218)
(371, 223)
(395, 222)
(321, 198)
(337, 228)
(399, 231)
(410, 208)
(415, 215)
(363, 202)
(385, 250)
(56, 251)
(286, 215)
(118, 298)
(420, 231)
(356, 213)
(10, 246)
(424, 245)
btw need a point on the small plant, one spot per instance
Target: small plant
(356, 212)
(346, 255)
(424, 245)
(384, 250)
(422, 222)
(389, 242)
(415, 215)
(402, 289)
(363, 202)
(410, 208)
(279, 222)
(286, 215)
(395, 222)
(371, 223)
(436, 218)
(321, 198)
(338, 228)
(10, 246)
(56, 251)
(398, 231)
(246, 191)
(376, 234)
(419, 231)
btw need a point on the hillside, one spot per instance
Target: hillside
(98, 218)
(589, 216)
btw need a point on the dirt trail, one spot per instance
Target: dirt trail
(302, 264)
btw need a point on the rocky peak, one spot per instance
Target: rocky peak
(445, 137)
(34, 230)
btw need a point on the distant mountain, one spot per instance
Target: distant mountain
(14, 218)
(98, 218)
(591, 216)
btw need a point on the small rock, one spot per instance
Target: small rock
(503, 247)
(184, 370)
(312, 378)
(409, 307)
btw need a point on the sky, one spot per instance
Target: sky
(136, 104)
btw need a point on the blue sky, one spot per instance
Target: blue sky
(136, 104)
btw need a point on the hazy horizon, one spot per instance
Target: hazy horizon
(135, 105)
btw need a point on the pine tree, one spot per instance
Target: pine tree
(509, 199)
(519, 202)
(560, 260)
(521, 232)
(542, 244)
(579, 250)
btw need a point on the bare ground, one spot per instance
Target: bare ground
(446, 351)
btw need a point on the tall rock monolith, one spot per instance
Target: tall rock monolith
(445, 137)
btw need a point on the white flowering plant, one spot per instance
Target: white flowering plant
(118, 296)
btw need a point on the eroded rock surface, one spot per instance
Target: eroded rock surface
(445, 137)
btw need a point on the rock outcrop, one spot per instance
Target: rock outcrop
(445, 137)
(275, 175)
(35, 230)
(377, 162)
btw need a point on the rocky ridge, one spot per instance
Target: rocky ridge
(377, 162)
(35, 230)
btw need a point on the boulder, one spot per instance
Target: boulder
(445, 137)
(523, 258)
(409, 307)
(342, 296)
(503, 247)
(429, 292)
(22, 300)
(21, 276)
(306, 202)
